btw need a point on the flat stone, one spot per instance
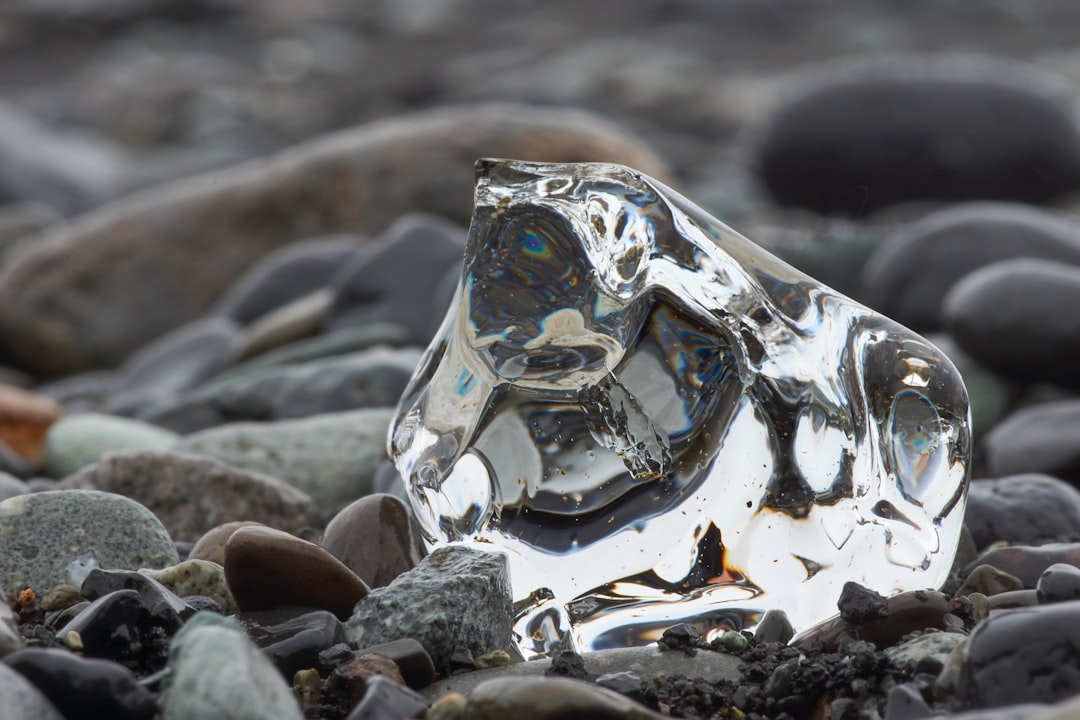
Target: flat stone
(329, 344)
(25, 417)
(989, 581)
(196, 578)
(211, 546)
(215, 671)
(285, 275)
(292, 638)
(531, 698)
(1029, 509)
(297, 320)
(330, 457)
(1026, 562)
(456, 597)
(376, 538)
(1042, 439)
(938, 645)
(648, 661)
(269, 569)
(182, 358)
(22, 700)
(353, 675)
(66, 305)
(385, 698)
(75, 441)
(54, 537)
(166, 483)
(1026, 296)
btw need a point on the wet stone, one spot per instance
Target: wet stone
(1023, 655)
(375, 538)
(907, 612)
(121, 627)
(161, 603)
(914, 653)
(385, 698)
(268, 569)
(1058, 583)
(211, 546)
(1028, 509)
(549, 699)
(989, 581)
(412, 660)
(1026, 562)
(859, 605)
(614, 358)
(625, 683)
(774, 627)
(292, 638)
(84, 687)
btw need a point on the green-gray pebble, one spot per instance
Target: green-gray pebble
(215, 671)
(331, 457)
(58, 536)
(75, 441)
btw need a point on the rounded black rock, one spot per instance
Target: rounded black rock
(1022, 509)
(1058, 583)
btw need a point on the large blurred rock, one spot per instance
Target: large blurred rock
(92, 292)
(863, 135)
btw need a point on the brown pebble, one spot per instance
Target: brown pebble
(375, 539)
(25, 417)
(353, 675)
(60, 597)
(909, 611)
(989, 581)
(551, 698)
(211, 546)
(267, 569)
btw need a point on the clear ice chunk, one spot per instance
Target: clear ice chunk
(659, 422)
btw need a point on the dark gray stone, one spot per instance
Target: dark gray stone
(1058, 583)
(181, 359)
(1029, 509)
(395, 282)
(1009, 317)
(457, 596)
(285, 275)
(914, 267)
(1042, 439)
(863, 135)
(22, 700)
(384, 699)
(376, 538)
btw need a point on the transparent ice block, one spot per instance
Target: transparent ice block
(659, 422)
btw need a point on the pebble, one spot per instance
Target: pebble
(166, 482)
(330, 457)
(161, 233)
(269, 569)
(989, 581)
(25, 417)
(909, 275)
(352, 675)
(22, 700)
(154, 596)
(1028, 509)
(456, 597)
(1058, 583)
(1018, 291)
(215, 671)
(1043, 438)
(10, 486)
(1021, 655)
(527, 698)
(393, 282)
(384, 699)
(1027, 562)
(294, 321)
(285, 275)
(124, 626)
(906, 612)
(858, 604)
(413, 662)
(859, 136)
(936, 645)
(10, 640)
(84, 687)
(179, 360)
(376, 538)
(370, 378)
(329, 344)
(292, 638)
(211, 546)
(54, 537)
(75, 441)
(199, 578)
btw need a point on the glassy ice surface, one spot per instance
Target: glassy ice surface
(659, 422)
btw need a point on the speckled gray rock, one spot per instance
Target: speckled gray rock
(214, 671)
(58, 536)
(75, 441)
(457, 596)
(331, 457)
(23, 701)
(196, 577)
(191, 494)
(932, 644)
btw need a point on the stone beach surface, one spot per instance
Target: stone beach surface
(228, 231)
